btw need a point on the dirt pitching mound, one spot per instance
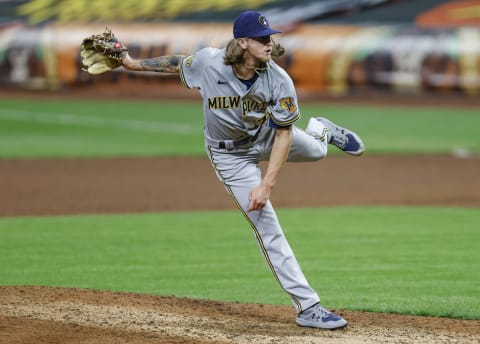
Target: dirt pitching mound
(56, 315)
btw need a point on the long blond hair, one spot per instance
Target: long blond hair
(234, 53)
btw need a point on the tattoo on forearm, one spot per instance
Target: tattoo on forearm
(166, 64)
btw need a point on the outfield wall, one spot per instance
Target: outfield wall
(322, 59)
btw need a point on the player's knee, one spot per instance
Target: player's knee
(309, 155)
(317, 151)
(318, 154)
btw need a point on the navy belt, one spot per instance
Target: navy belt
(231, 144)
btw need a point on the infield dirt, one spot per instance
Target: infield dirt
(30, 314)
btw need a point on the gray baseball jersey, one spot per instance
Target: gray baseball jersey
(231, 111)
(240, 123)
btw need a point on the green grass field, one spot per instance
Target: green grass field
(63, 128)
(400, 260)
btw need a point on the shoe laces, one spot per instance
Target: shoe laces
(339, 138)
(319, 313)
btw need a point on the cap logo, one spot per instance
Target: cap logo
(251, 24)
(262, 20)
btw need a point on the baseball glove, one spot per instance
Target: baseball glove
(102, 53)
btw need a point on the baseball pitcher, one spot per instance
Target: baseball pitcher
(250, 108)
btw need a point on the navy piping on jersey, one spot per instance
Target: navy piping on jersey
(250, 81)
(272, 124)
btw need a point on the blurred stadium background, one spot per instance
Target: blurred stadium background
(335, 48)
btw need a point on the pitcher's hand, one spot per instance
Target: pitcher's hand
(258, 197)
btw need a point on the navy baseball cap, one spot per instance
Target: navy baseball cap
(252, 24)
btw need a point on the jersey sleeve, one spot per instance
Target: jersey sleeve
(284, 112)
(192, 67)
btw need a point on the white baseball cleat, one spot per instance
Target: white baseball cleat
(318, 317)
(340, 137)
